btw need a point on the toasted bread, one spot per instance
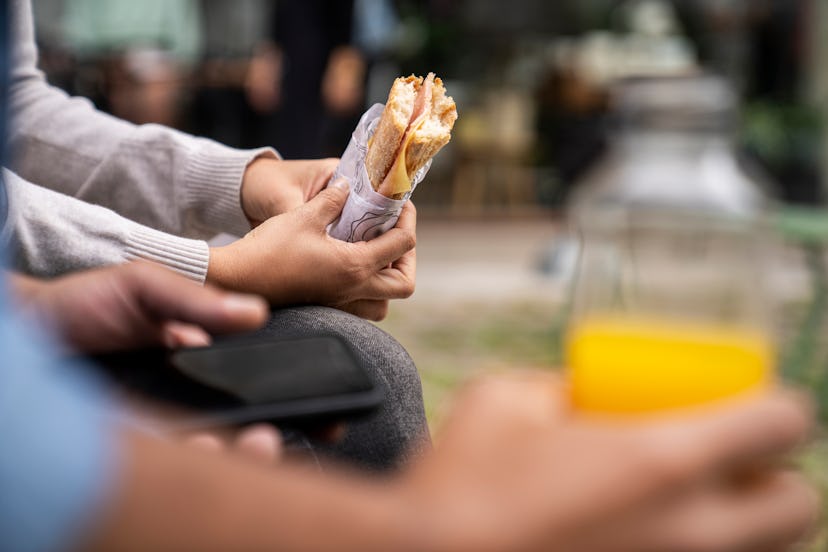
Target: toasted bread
(425, 128)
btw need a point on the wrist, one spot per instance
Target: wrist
(256, 176)
(220, 271)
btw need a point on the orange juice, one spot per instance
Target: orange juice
(629, 365)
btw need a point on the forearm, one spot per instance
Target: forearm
(23, 288)
(151, 174)
(53, 234)
(170, 498)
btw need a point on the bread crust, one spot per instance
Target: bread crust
(384, 144)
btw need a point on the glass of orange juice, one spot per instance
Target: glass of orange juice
(669, 311)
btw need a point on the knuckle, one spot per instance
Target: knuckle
(409, 240)
(330, 198)
(378, 311)
(407, 288)
(658, 455)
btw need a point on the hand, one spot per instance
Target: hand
(272, 187)
(260, 443)
(343, 81)
(263, 81)
(135, 305)
(513, 470)
(290, 259)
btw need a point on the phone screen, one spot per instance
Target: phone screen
(275, 371)
(251, 380)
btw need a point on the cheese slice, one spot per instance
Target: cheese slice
(398, 181)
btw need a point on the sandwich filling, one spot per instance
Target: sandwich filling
(398, 180)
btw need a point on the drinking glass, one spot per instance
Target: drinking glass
(670, 309)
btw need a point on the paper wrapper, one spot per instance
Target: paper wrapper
(366, 214)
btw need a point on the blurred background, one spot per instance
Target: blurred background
(532, 81)
(536, 84)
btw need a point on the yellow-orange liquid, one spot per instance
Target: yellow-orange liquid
(628, 365)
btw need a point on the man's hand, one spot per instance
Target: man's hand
(271, 187)
(136, 305)
(290, 259)
(514, 470)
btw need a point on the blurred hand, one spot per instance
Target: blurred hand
(261, 443)
(290, 259)
(135, 305)
(263, 81)
(513, 470)
(343, 81)
(271, 187)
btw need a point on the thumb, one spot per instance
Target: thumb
(328, 204)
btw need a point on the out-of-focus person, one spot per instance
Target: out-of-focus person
(145, 52)
(308, 81)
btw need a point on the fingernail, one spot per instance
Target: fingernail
(239, 304)
(186, 336)
(341, 184)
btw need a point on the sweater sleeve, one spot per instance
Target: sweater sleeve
(151, 174)
(51, 234)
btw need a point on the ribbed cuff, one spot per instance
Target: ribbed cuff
(213, 182)
(185, 256)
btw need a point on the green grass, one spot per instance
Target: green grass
(452, 342)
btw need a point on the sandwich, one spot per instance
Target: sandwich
(415, 124)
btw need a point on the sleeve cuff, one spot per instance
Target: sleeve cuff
(187, 257)
(213, 185)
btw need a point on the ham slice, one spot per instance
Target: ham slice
(398, 181)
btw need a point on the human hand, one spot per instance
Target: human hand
(271, 187)
(135, 305)
(514, 470)
(290, 259)
(343, 81)
(263, 81)
(260, 443)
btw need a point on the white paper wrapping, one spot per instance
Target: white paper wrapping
(366, 214)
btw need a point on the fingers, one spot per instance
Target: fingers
(508, 405)
(206, 442)
(369, 309)
(168, 296)
(175, 335)
(261, 443)
(389, 247)
(326, 168)
(328, 204)
(772, 515)
(682, 449)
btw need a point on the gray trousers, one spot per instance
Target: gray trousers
(398, 431)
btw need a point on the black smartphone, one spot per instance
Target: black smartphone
(297, 381)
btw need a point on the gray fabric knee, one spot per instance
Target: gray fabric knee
(398, 431)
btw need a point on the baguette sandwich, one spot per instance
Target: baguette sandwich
(415, 124)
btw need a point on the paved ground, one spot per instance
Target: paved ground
(461, 260)
(482, 302)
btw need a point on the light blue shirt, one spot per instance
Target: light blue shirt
(56, 442)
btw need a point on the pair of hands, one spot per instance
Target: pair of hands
(288, 257)
(514, 469)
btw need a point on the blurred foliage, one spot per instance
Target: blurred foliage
(782, 133)
(786, 138)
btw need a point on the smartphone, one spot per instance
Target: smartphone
(296, 381)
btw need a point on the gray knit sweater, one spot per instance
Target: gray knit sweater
(116, 191)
